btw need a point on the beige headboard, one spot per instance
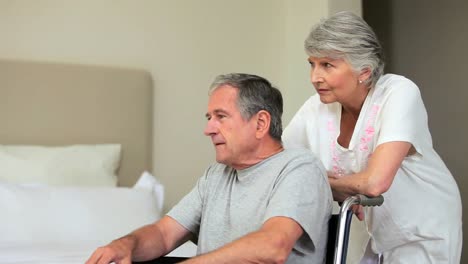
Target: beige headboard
(61, 104)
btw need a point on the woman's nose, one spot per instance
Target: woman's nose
(315, 75)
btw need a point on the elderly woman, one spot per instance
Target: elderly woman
(370, 130)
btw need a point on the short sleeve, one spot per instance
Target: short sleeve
(403, 116)
(188, 211)
(303, 194)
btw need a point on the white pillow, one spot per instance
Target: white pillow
(76, 165)
(47, 214)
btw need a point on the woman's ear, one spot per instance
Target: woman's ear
(263, 123)
(364, 75)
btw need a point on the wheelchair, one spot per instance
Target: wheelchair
(338, 232)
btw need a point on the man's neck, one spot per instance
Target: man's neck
(263, 152)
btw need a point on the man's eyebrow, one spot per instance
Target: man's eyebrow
(217, 111)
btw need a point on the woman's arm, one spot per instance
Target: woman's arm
(377, 177)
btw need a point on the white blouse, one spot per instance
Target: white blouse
(423, 201)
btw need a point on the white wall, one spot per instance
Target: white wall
(348, 5)
(184, 44)
(300, 16)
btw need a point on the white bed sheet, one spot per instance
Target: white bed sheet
(65, 253)
(62, 253)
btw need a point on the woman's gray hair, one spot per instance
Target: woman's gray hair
(255, 94)
(347, 36)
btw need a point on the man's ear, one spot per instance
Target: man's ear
(263, 123)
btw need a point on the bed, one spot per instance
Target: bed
(75, 159)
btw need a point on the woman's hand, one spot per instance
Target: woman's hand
(358, 210)
(337, 195)
(334, 175)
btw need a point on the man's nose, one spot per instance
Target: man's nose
(210, 128)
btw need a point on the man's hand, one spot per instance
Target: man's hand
(118, 251)
(145, 243)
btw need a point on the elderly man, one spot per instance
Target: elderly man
(258, 203)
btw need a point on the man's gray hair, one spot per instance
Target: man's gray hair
(255, 94)
(347, 36)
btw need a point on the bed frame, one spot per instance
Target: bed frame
(56, 104)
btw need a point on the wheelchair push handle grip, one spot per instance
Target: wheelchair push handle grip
(370, 201)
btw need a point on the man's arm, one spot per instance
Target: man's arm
(148, 242)
(271, 244)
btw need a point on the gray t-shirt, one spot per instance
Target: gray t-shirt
(227, 204)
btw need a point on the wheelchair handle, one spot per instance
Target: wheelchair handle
(361, 200)
(344, 222)
(370, 201)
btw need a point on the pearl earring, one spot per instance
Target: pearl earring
(360, 81)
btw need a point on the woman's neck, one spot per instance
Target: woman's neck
(353, 108)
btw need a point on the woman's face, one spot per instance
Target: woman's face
(335, 81)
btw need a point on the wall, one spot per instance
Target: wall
(300, 16)
(426, 41)
(184, 44)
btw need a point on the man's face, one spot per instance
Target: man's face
(233, 137)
